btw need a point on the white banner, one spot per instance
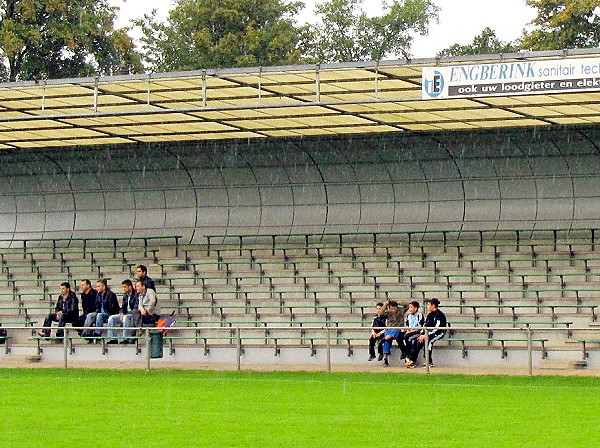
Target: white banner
(511, 78)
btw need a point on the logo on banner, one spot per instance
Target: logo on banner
(433, 83)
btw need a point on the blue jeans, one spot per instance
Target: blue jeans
(387, 343)
(90, 319)
(114, 321)
(101, 319)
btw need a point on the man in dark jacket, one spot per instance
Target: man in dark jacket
(66, 311)
(142, 273)
(125, 317)
(106, 304)
(88, 302)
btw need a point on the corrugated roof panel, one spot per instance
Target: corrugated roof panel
(351, 98)
(177, 105)
(293, 77)
(399, 95)
(235, 92)
(313, 131)
(32, 124)
(179, 83)
(454, 126)
(200, 126)
(229, 135)
(570, 120)
(293, 89)
(40, 143)
(16, 94)
(97, 141)
(534, 111)
(164, 118)
(509, 123)
(281, 133)
(345, 74)
(393, 118)
(571, 109)
(212, 115)
(66, 133)
(122, 130)
(298, 111)
(421, 127)
(357, 97)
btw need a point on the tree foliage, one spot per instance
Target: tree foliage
(202, 34)
(563, 24)
(63, 38)
(346, 33)
(485, 43)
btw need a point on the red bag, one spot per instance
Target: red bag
(166, 323)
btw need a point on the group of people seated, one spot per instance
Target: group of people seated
(412, 336)
(138, 307)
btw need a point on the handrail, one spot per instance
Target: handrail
(287, 327)
(410, 235)
(235, 335)
(54, 242)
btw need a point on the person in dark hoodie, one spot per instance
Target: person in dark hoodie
(377, 332)
(65, 311)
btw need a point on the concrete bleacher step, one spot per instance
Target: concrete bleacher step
(561, 364)
(10, 360)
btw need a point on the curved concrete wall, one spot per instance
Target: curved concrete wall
(536, 178)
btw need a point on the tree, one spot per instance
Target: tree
(563, 24)
(485, 43)
(346, 33)
(202, 34)
(62, 38)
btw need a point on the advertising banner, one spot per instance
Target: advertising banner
(511, 78)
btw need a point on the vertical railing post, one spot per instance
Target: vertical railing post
(328, 350)
(238, 334)
(529, 352)
(377, 80)
(427, 367)
(96, 94)
(147, 350)
(148, 91)
(260, 86)
(204, 93)
(65, 347)
(44, 98)
(318, 84)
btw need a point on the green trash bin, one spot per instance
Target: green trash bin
(156, 344)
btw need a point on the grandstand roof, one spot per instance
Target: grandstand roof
(267, 102)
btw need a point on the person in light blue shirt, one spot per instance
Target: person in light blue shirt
(414, 321)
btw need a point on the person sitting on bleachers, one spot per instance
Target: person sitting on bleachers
(435, 319)
(65, 311)
(142, 273)
(106, 305)
(377, 333)
(147, 312)
(88, 303)
(124, 318)
(395, 318)
(414, 320)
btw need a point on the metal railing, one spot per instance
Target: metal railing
(236, 339)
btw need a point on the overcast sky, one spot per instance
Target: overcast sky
(460, 20)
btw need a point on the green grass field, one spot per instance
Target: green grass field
(107, 408)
